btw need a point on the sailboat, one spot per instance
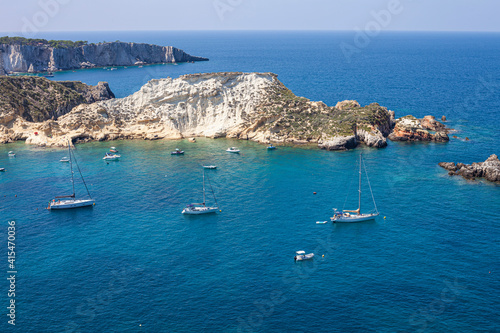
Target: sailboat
(350, 216)
(201, 208)
(70, 201)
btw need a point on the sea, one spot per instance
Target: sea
(430, 262)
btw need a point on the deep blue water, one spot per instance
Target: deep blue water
(431, 265)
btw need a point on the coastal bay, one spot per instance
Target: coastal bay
(431, 264)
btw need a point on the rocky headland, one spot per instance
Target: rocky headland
(19, 55)
(30, 101)
(409, 128)
(489, 169)
(249, 106)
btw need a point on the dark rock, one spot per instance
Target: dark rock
(489, 169)
(37, 99)
(441, 137)
(448, 166)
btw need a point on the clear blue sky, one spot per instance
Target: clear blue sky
(419, 15)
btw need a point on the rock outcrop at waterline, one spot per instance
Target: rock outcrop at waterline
(251, 106)
(489, 169)
(409, 128)
(27, 102)
(21, 58)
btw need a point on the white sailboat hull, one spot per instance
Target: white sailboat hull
(353, 218)
(73, 203)
(199, 210)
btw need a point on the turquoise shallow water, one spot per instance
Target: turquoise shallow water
(431, 265)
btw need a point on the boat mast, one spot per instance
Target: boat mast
(203, 187)
(71, 166)
(359, 190)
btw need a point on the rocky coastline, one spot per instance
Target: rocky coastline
(489, 169)
(247, 106)
(22, 58)
(409, 128)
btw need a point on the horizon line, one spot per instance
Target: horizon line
(256, 30)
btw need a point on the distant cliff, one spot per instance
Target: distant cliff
(43, 57)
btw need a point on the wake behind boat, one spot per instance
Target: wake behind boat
(110, 156)
(202, 208)
(350, 216)
(70, 201)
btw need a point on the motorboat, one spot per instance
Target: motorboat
(113, 150)
(210, 167)
(301, 255)
(2, 169)
(271, 147)
(11, 154)
(64, 159)
(109, 156)
(233, 150)
(177, 151)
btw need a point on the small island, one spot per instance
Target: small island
(24, 55)
(247, 106)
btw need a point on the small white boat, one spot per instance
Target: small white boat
(201, 208)
(113, 150)
(11, 154)
(232, 150)
(177, 152)
(64, 159)
(271, 147)
(321, 222)
(301, 255)
(210, 167)
(110, 156)
(2, 169)
(113, 69)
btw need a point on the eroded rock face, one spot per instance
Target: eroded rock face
(249, 106)
(36, 99)
(410, 128)
(28, 58)
(489, 169)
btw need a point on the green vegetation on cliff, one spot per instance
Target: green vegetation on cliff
(58, 44)
(293, 116)
(37, 99)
